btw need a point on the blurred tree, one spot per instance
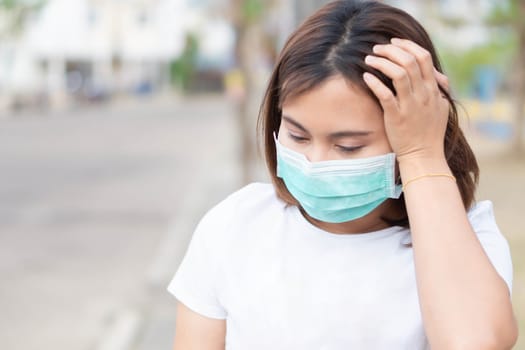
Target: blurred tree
(14, 16)
(183, 68)
(256, 44)
(462, 65)
(253, 42)
(504, 53)
(510, 14)
(14, 13)
(247, 17)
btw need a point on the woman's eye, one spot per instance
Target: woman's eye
(297, 138)
(350, 149)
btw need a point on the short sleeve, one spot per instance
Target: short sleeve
(195, 282)
(496, 247)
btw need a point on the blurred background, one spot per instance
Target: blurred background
(122, 122)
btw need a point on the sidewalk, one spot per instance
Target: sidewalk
(158, 327)
(90, 197)
(148, 322)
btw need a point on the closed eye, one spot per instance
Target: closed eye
(349, 149)
(297, 138)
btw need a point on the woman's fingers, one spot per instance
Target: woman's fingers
(412, 72)
(384, 94)
(423, 57)
(442, 80)
(416, 117)
(398, 74)
(426, 65)
(404, 59)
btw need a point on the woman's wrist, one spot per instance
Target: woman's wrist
(412, 167)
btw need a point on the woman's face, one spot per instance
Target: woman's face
(334, 121)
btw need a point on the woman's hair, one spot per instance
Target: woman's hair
(334, 42)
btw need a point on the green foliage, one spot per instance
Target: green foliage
(498, 52)
(504, 13)
(20, 4)
(252, 10)
(183, 68)
(17, 11)
(8, 4)
(462, 66)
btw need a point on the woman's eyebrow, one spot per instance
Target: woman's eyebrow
(349, 133)
(335, 135)
(295, 123)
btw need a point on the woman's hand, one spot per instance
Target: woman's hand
(415, 119)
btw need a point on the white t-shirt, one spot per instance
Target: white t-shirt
(282, 283)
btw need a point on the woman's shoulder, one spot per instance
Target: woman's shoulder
(493, 241)
(481, 215)
(483, 222)
(251, 201)
(253, 193)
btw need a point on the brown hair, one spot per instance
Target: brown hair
(334, 41)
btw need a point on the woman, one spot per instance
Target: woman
(369, 236)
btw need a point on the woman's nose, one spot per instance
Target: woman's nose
(316, 154)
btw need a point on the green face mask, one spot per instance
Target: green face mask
(337, 191)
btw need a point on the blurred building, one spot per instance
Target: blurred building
(89, 49)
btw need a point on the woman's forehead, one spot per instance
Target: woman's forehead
(335, 101)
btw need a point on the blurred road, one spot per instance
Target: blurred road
(89, 201)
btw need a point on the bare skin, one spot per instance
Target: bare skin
(196, 332)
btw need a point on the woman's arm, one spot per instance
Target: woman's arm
(196, 332)
(465, 304)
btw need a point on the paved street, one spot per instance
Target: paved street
(87, 199)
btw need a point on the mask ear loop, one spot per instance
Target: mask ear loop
(398, 181)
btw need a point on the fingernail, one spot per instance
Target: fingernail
(395, 41)
(376, 48)
(367, 77)
(369, 59)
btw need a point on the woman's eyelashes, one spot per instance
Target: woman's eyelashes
(297, 138)
(348, 149)
(344, 149)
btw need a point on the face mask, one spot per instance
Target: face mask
(337, 191)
